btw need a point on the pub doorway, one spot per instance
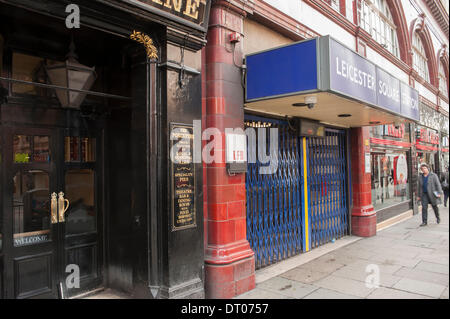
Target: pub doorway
(53, 220)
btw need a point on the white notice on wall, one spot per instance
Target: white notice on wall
(367, 162)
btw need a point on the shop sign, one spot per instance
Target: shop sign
(351, 74)
(428, 136)
(182, 171)
(393, 131)
(357, 77)
(388, 91)
(194, 11)
(409, 101)
(325, 65)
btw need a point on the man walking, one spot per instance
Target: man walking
(429, 192)
(445, 187)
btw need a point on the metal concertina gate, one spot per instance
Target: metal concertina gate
(285, 218)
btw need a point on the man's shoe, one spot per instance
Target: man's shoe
(423, 224)
(438, 220)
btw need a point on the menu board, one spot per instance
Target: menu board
(182, 173)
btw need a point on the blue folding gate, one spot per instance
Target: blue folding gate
(285, 218)
(327, 167)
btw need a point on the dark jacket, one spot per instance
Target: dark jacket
(433, 185)
(444, 178)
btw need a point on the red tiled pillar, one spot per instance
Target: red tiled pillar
(229, 260)
(364, 218)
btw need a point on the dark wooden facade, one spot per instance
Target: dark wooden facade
(131, 245)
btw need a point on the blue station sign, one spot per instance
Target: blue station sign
(325, 65)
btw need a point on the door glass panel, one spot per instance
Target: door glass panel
(22, 148)
(26, 67)
(41, 150)
(79, 190)
(31, 207)
(88, 149)
(72, 149)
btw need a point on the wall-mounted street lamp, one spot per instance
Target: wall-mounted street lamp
(73, 75)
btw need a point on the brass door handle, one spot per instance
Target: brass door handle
(62, 208)
(54, 208)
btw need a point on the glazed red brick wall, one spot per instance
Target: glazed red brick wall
(363, 215)
(229, 261)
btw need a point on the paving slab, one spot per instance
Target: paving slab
(323, 293)
(444, 294)
(337, 258)
(287, 287)
(433, 267)
(420, 251)
(303, 275)
(420, 287)
(386, 268)
(345, 286)
(435, 258)
(356, 252)
(394, 260)
(259, 293)
(389, 293)
(328, 265)
(423, 275)
(360, 274)
(425, 238)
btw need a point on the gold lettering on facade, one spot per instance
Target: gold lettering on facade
(176, 4)
(192, 8)
(158, 2)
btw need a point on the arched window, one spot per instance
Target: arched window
(420, 61)
(443, 85)
(376, 19)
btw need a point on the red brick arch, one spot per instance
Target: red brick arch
(404, 42)
(442, 57)
(418, 25)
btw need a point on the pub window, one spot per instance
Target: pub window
(29, 68)
(443, 86)
(27, 149)
(390, 182)
(420, 61)
(79, 149)
(80, 191)
(31, 207)
(376, 18)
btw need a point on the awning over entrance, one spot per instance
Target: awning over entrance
(323, 80)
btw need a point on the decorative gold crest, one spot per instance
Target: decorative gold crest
(140, 37)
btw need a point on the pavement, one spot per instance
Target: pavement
(404, 261)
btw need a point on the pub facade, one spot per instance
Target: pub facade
(89, 91)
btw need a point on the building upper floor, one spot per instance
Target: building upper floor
(408, 38)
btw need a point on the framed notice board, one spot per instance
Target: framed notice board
(182, 175)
